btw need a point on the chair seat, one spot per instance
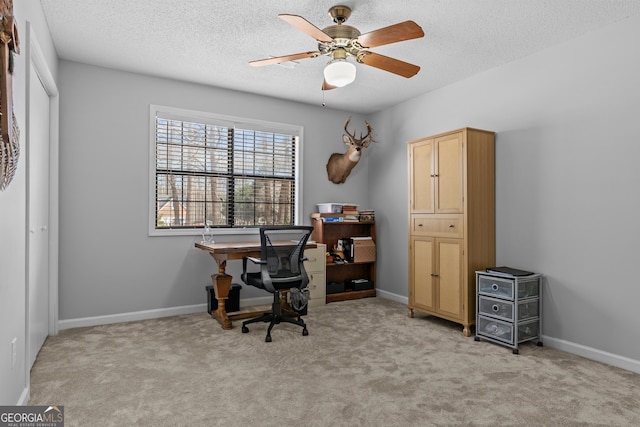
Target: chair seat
(253, 279)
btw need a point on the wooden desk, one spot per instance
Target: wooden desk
(221, 252)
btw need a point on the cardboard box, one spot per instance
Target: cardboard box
(364, 249)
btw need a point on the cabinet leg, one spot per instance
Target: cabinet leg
(466, 331)
(411, 313)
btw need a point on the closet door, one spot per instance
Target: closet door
(38, 159)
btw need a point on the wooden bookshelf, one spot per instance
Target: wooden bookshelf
(329, 233)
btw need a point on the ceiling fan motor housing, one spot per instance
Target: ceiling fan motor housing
(343, 37)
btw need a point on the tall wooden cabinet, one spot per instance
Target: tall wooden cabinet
(451, 221)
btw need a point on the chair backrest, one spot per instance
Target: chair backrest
(282, 250)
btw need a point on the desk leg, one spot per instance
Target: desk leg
(221, 286)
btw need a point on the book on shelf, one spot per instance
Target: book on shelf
(332, 219)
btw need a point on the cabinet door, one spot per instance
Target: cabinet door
(422, 271)
(449, 264)
(449, 174)
(421, 176)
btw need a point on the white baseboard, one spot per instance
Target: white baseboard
(24, 397)
(393, 297)
(593, 354)
(130, 317)
(149, 314)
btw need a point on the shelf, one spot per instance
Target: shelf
(349, 295)
(346, 264)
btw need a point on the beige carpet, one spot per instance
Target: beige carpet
(364, 363)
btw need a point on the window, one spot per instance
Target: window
(228, 172)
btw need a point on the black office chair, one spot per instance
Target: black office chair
(281, 267)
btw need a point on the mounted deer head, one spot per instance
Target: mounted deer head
(339, 165)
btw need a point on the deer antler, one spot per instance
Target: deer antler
(363, 141)
(352, 136)
(368, 138)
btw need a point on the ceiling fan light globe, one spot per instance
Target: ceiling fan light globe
(339, 73)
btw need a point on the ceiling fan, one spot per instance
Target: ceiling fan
(341, 41)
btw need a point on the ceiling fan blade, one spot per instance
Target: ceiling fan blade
(391, 65)
(406, 30)
(279, 59)
(327, 86)
(306, 27)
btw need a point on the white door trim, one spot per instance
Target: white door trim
(41, 68)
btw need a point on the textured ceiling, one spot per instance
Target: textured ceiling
(211, 41)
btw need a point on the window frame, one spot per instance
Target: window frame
(213, 118)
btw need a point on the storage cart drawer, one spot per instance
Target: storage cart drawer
(496, 286)
(528, 309)
(496, 329)
(495, 308)
(528, 289)
(528, 331)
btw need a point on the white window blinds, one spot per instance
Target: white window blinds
(222, 172)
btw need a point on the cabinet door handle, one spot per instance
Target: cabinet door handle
(452, 226)
(419, 225)
(435, 275)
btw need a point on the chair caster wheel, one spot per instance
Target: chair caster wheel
(305, 332)
(268, 338)
(245, 329)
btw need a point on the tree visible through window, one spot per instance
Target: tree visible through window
(228, 174)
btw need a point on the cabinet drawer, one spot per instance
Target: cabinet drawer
(316, 259)
(495, 308)
(495, 329)
(317, 285)
(437, 225)
(496, 286)
(502, 309)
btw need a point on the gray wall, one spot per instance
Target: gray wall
(567, 175)
(13, 211)
(108, 263)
